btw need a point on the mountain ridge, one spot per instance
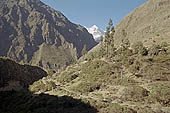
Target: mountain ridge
(34, 33)
(148, 23)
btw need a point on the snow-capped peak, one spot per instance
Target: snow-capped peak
(96, 32)
(94, 27)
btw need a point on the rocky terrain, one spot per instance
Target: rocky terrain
(33, 33)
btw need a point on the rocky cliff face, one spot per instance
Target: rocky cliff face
(33, 33)
(149, 23)
(15, 76)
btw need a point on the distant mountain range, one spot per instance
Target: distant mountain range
(96, 32)
(33, 33)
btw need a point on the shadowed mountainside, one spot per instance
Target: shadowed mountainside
(16, 76)
(16, 98)
(26, 102)
(33, 33)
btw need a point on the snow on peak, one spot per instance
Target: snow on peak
(96, 32)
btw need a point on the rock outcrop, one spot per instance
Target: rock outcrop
(14, 76)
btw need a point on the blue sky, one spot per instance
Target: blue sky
(98, 12)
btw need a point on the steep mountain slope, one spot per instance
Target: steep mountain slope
(96, 32)
(14, 76)
(31, 32)
(122, 79)
(149, 23)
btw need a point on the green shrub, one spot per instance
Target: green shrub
(161, 93)
(125, 43)
(68, 76)
(135, 93)
(161, 59)
(138, 48)
(143, 51)
(164, 44)
(145, 110)
(51, 72)
(158, 70)
(135, 67)
(85, 86)
(125, 81)
(127, 52)
(168, 50)
(93, 55)
(116, 108)
(154, 50)
(127, 61)
(99, 71)
(41, 86)
(49, 85)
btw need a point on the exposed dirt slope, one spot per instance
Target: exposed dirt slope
(149, 23)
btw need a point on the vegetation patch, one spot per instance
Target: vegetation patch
(42, 86)
(85, 86)
(125, 81)
(116, 108)
(156, 72)
(161, 93)
(68, 76)
(99, 71)
(135, 93)
(146, 110)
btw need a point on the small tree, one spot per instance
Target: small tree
(112, 41)
(125, 43)
(143, 51)
(109, 37)
(84, 50)
(154, 50)
(124, 33)
(138, 48)
(112, 36)
(110, 23)
(102, 50)
(164, 44)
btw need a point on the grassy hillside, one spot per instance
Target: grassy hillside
(127, 82)
(148, 23)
